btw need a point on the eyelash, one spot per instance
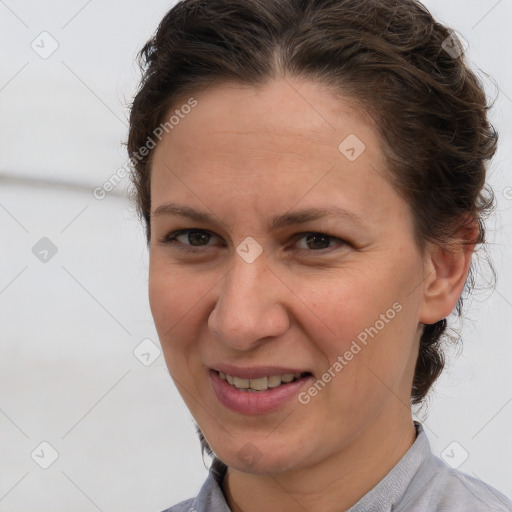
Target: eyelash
(171, 239)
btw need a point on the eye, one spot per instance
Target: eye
(188, 238)
(317, 241)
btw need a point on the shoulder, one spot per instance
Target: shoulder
(422, 482)
(445, 489)
(183, 506)
(210, 497)
(458, 489)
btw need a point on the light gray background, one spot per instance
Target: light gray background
(69, 326)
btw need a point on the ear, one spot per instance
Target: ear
(446, 270)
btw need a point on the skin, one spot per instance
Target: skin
(244, 155)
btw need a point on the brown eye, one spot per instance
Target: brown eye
(317, 242)
(198, 237)
(188, 238)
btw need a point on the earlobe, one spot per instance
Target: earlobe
(446, 271)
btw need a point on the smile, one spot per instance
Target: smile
(262, 383)
(260, 395)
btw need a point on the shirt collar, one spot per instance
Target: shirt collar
(405, 480)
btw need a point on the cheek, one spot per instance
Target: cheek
(374, 351)
(173, 290)
(171, 298)
(345, 304)
(179, 300)
(367, 318)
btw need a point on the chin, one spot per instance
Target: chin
(263, 460)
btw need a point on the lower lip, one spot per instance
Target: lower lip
(258, 402)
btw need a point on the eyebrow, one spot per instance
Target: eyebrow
(277, 222)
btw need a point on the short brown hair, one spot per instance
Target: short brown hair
(406, 70)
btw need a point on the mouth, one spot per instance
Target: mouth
(260, 384)
(257, 391)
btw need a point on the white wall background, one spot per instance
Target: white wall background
(70, 325)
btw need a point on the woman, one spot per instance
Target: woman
(310, 174)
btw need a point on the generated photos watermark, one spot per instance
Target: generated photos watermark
(109, 185)
(355, 347)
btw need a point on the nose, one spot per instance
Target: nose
(250, 308)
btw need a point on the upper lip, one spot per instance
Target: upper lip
(255, 372)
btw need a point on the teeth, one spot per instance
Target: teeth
(261, 384)
(241, 383)
(274, 381)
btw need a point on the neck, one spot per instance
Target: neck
(332, 485)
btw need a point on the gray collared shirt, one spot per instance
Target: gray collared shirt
(419, 482)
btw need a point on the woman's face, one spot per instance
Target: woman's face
(296, 256)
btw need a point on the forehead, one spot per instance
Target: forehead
(290, 140)
(303, 110)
